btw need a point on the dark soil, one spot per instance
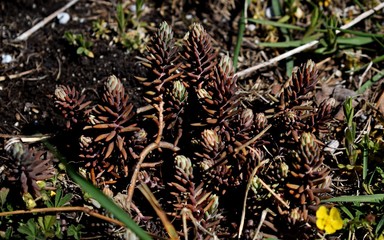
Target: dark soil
(26, 104)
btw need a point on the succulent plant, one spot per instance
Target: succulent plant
(29, 166)
(308, 175)
(111, 126)
(71, 105)
(161, 60)
(217, 96)
(193, 200)
(299, 87)
(199, 56)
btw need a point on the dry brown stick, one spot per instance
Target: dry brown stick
(250, 180)
(238, 149)
(26, 34)
(26, 138)
(159, 211)
(64, 209)
(308, 45)
(17, 75)
(160, 109)
(142, 156)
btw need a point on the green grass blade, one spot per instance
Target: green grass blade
(346, 211)
(380, 226)
(276, 8)
(276, 24)
(355, 41)
(370, 82)
(359, 33)
(240, 35)
(104, 201)
(375, 198)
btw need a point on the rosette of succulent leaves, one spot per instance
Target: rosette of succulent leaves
(24, 167)
(226, 144)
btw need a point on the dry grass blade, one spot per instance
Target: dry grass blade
(246, 196)
(144, 189)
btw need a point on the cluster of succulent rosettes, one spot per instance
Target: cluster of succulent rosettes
(189, 80)
(193, 203)
(71, 105)
(109, 133)
(218, 95)
(297, 111)
(27, 166)
(308, 176)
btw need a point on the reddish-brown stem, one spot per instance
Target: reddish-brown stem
(143, 154)
(160, 108)
(151, 165)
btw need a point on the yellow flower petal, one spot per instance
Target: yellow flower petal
(335, 219)
(320, 223)
(322, 212)
(329, 229)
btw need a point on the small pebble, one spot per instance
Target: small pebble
(332, 146)
(251, 27)
(6, 58)
(63, 18)
(132, 8)
(268, 13)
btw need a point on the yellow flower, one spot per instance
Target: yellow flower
(330, 222)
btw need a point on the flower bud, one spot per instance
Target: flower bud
(247, 118)
(184, 164)
(61, 93)
(179, 91)
(210, 138)
(260, 121)
(85, 141)
(226, 64)
(202, 93)
(113, 83)
(214, 200)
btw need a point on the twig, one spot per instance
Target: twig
(246, 196)
(17, 75)
(142, 156)
(187, 212)
(160, 109)
(238, 149)
(262, 219)
(65, 209)
(273, 193)
(308, 45)
(25, 138)
(159, 211)
(39, 25)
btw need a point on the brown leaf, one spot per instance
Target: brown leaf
(111, 136)
(101, 137)
(111, 146)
